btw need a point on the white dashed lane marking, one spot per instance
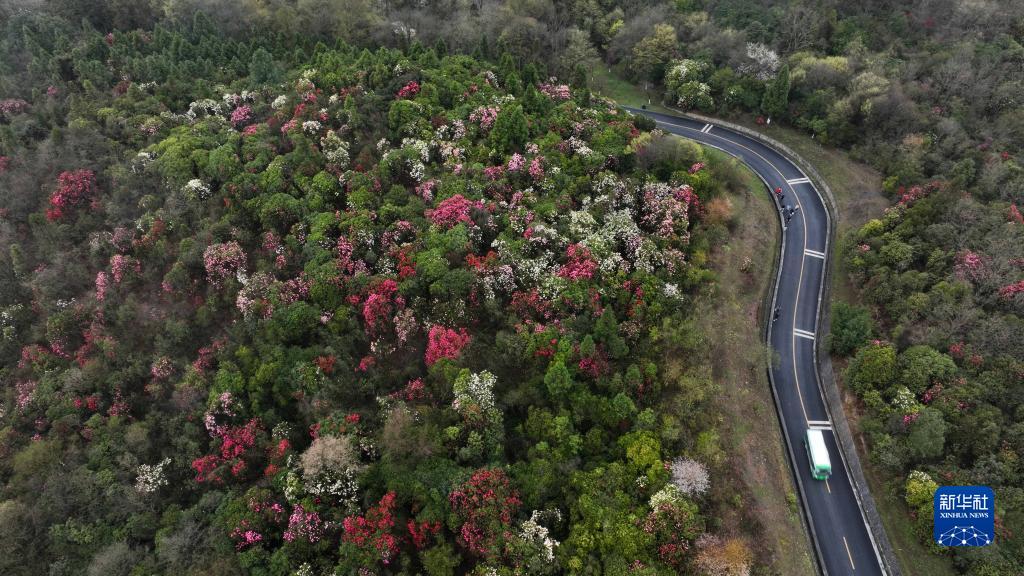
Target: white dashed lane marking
(798, 181)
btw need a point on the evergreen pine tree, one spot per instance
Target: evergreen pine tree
(776, 95)
(261, 67)
(485, 47)
(513, 85)
(510, 130)
(441, 47)
(579, 76)
(531, 76)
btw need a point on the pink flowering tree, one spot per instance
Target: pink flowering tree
(101, 286)
(484, 506)
(452, 211)
(555, 91)
(223, 261)
(485, 116)
(304, 525)
(666, 209)
(970, 264)
(516, 163)
(241, 116)
(121, 265)
(234, 455)
(1012, 290)
(11, 106)
(580, 265)
(537, 168)
(445, 343)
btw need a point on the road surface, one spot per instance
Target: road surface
(843, 540)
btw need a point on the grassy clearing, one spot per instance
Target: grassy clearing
(606, 83)
(756, 466)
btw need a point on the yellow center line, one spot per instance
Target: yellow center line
(803, 218)
(848, 555)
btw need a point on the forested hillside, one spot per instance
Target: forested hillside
(274, 307)
(166, 242)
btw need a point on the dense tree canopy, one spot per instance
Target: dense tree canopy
(272, 308)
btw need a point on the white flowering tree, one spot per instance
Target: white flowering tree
(151, 478)
(690, 477)
(762, 62)
(686, 82)
(329, 467)
(539, 555)
(482, 434)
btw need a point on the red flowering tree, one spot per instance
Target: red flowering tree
(445, 343)
(234, 454)
(484, 506)
(379, 303)
(409, 90)
(74, 189)
(373, 534)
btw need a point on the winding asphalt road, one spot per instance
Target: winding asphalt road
(842, 538)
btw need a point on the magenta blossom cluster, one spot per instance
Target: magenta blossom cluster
(494, 172)
(666, 209)
(537, 168)
(241, 116)
(295, 289)
(969, 264)
(161, 369)
(453, 211)
(245, 535)
(581, 265)
(485, 116)
(304, 524)
(121, 265)
(235, 444)
(1012, 290)
(10, 106)
(378, 304)
(445, 343)
(555, 91)
(516, 162)
(426, 190)
(26, 392)
(101, 286)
